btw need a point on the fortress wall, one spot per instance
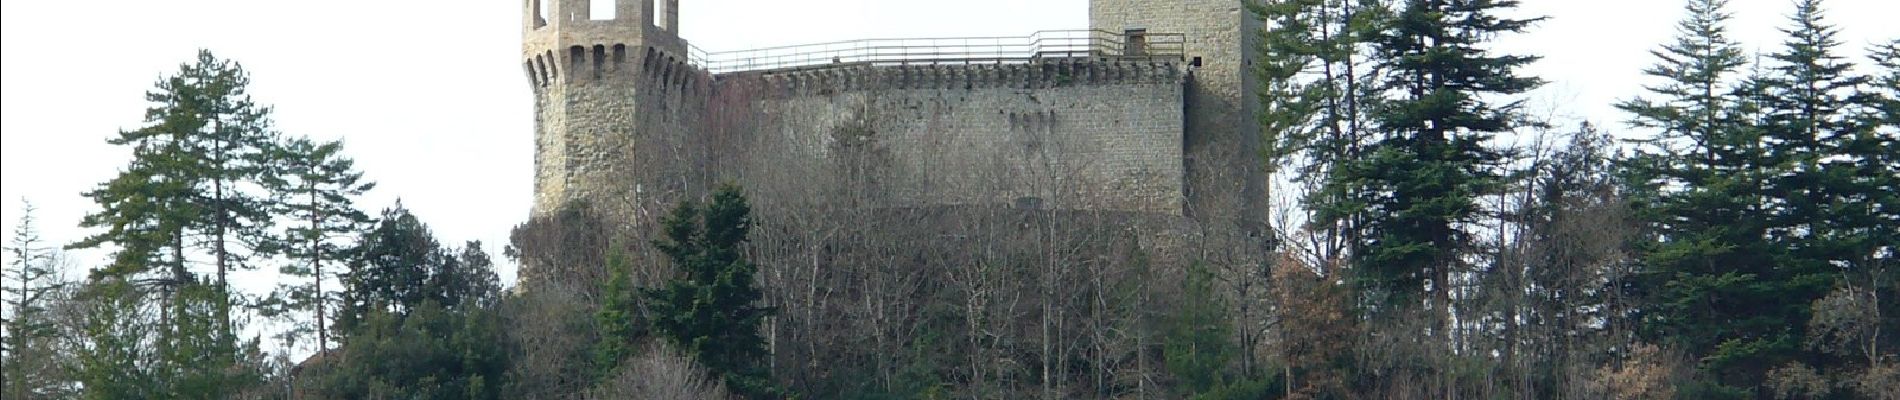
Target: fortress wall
(1060, 135)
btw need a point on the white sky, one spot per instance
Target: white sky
(430, 98)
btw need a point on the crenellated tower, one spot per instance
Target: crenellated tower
(606, 85)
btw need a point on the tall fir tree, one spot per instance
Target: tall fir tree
(1832, 177)
(1724, 283)
(711, 310)
(1419, 182)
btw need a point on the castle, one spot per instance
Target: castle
(1149, 112)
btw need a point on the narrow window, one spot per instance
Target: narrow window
(659, 9)
(540, 12)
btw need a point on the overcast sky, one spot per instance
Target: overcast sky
(430, 99)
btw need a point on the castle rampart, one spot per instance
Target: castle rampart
(1067, 135)
(1144, 114)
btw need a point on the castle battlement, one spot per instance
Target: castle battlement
(619, 61)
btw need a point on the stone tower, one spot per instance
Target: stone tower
(1222, 142)
(600, 83)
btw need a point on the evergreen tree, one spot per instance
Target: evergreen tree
(390, 267)
(1725, 186)
(322, 189)
(427, 352)
(197, 362)
(193, 182)
(419, 319)
(1421, 179)
(31, 279)
(621, 325)
(1196, 347)
(463, 278)
(1832, 174)
(711, 310)
(235, 161)
(114, 361)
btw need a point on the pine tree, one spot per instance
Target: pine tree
(194, 180)
(30, 281)
(322, 189)
(234, 162)
(712, 309)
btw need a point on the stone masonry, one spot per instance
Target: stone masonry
(625, 119)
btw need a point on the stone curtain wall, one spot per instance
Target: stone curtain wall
(634, 130)
(1061, 135)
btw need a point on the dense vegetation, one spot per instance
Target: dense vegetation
(1734, 239)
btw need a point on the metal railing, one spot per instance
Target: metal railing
(1044, 45)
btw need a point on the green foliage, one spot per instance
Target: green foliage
(128, 353)
(1422, 178)
(196, 362)
(114, 364)
(1761, 194)
(321, 189)
(1288, 102)
(29, 281)
(620, 323)
(398, 265)
(431, 352)
(196, 169)
(1198, 339)
(422, 320)
(711, 310)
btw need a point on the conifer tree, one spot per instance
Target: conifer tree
(31, 279)
(194, 182)
(712, 309)
(322, 186)
(619, 315)
(389, 270)
(115, 361)
(1420, 180)
(1729, 178)
(234, 164)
